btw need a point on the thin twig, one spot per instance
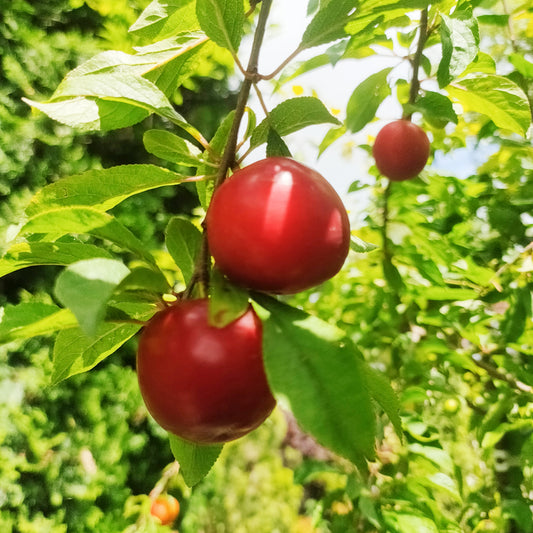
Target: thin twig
(203, 262)
(275, 72)
(495, 373)
(422, 38)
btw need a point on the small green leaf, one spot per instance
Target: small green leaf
(366, 99)
(170, 147)
(331, 136)
(409, 523)
(85, 287)
(329, 23)
(460, 40)
(521, 64)
(164, 18)
(313, 367)
(27, 254)
(27, 320)
(292, 115)
(360, 246)
(75, 353)
(183, 240)
(382, 392)
(276, 146)
(102, 189)
(436, 108)
(88, 114)
(497, 97)
(227, 301)
(78, 219)
(222, 21)
(195, 460)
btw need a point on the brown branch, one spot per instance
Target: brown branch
(495, 373)
(203, 262)
(422, 38)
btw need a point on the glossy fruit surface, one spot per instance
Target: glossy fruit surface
(278, 226)
(202, 383)
(401, 150)
(165, 509)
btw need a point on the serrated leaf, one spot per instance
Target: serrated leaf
(312, 366)
(87, 114)
(77, 219)
(329, 23)
(125, 87)
(292, 115)
(460, 45)
(382, 392)
(162, 19)
(27, 254)
(521, 64)
(496, 97)
(276, 146)
(195, 460)
(436, 108)
(366, 99)
(360, 246)
(222, 21)
(32, 319)
(145, 279)
(86, 286)
(102, 189)
(331, 136)
(170, 147)
(75, 352)
(183, 240)
(227, 302)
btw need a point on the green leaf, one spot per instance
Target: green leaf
(227, 301)
(331, 136)
(222, 21)
(164, 18)
(85, 287)
(409, 523)
(382, 392)
(195, 460)
(124, 87)
(360, 246)
(79, 219)
(75, 353)
(460, 40)
(448, 293)
(276, 146)
(290, 116)
(516, 318)
(145, 279)
(436, 108)
(183, 240)
(366, 99)
(102, 189)
(521, 64)
(496, 97)
(27, 320)
(170, 147)
(216, 144)
(329, 23)
(312, 366)
(27, 254)
(87, 114)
